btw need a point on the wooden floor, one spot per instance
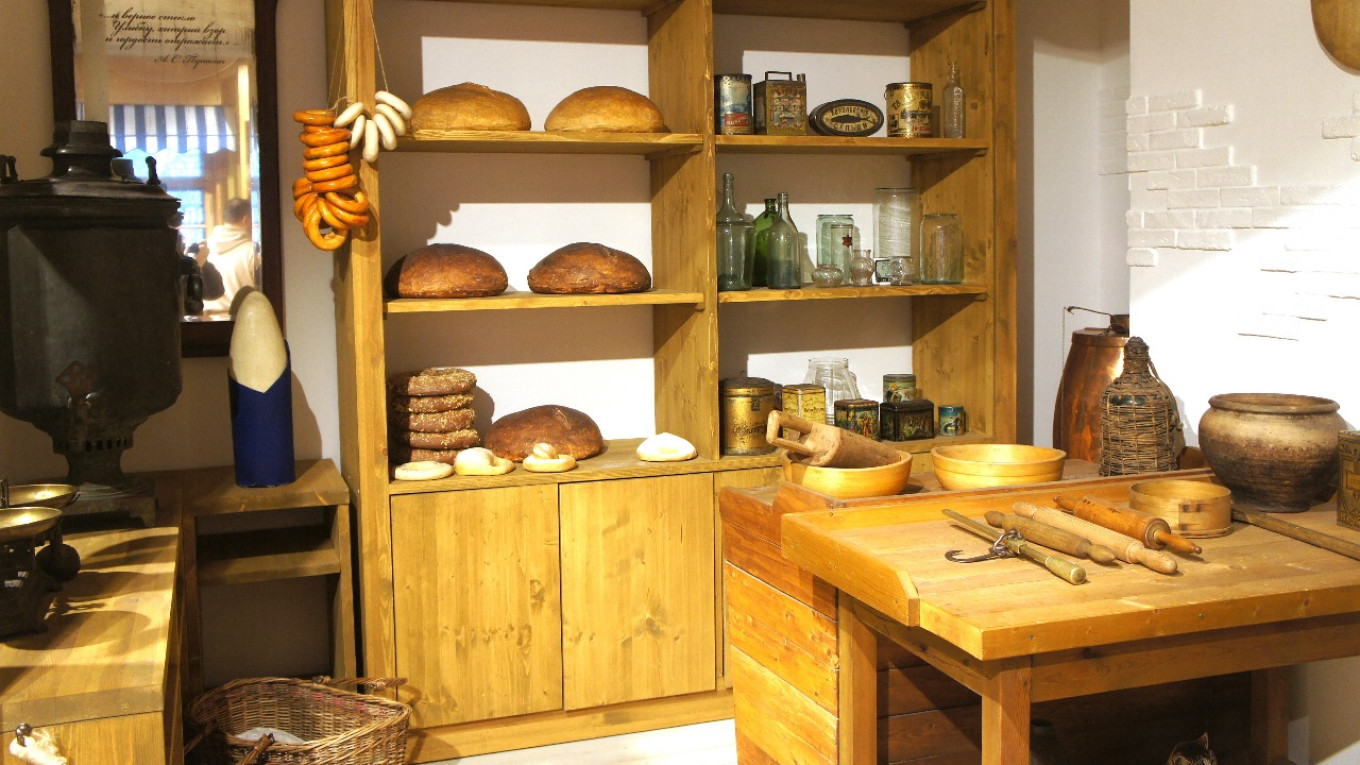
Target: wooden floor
(711, 743)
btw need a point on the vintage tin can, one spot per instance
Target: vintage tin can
(781, 105)
(899, 387)
(1348, 483)
(745, 406)
(807, 400)
(906, 420)
(858, 415)
(953, 420)
(909, 105)
(732, 104)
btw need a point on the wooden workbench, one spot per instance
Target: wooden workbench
(103, 677)
(1016, 635)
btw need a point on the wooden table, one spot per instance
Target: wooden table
(103, 677)
(1015, 634)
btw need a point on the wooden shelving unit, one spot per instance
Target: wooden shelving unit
(442, 561)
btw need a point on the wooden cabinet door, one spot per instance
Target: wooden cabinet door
(637, 589)
(477, 605)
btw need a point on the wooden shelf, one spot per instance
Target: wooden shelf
(521, 300)
(839, 145)
(652, 145)
(904, 11)
(263, 556)
(762, 295)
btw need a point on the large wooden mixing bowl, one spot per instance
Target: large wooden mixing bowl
(849, 483)
(979, 466)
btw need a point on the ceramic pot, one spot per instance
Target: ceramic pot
(1276, 451)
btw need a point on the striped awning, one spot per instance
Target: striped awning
(181, 129)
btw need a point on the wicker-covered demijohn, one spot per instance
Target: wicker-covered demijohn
(338, 727)
(1140, 426)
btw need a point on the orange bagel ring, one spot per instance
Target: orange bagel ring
(328, 150)
(330, 173)
(314, 116)
(356, 203)
(325, 137)
(312, 227)
(349, 181)
(321, 163)
(349, 219)
(301, 186)
(329, 217)
(303, 204)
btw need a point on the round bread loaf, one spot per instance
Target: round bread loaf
(422, 471)
(431, 381)
(589, 268)
(568, 430)
(433, 422)
(468, 106)
(608, 109)
(446, 271)
(404, 404)
(465, 438)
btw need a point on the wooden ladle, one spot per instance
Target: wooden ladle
(826, 445)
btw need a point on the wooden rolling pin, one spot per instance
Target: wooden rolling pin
(1155, 533)
(1125, 548)
(1294, 531)
(827, 445)
(1051, 536)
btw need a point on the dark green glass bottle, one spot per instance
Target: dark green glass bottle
(761, 261)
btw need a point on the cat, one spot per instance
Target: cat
(1195, 752)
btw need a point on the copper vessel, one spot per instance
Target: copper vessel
(1095, 359)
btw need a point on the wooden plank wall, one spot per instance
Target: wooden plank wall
(782, 628)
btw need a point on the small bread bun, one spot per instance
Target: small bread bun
(422, 471)
(468, 106)
(480, 461)
(606, 108)
(666, 447)
(546, 459)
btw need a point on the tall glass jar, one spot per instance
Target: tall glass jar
(783, 251)
(760, 243)
(832, 373)
(941, 249)
(830, 250)
(897, 216)
(732, 254)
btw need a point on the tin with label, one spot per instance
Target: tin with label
(899, 387)
(781, 104)
(906, 420)
(746, 403)
(732, 104)
(858, 415)
(953, 420)
(909, 105)
(806, 400)
(1348, 482)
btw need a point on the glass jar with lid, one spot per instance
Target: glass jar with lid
(941, 249)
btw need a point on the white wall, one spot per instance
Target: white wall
(1242, 237)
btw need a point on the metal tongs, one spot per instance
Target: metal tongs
(1010, 544)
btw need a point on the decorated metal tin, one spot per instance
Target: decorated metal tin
(858, 415)
(1348, 483)
(846, 117)
(906, 420)
(953, 420)
(900, 387)
(732, 104)
(807, 400)
(909, 105)
(781, 105)
(746, 403)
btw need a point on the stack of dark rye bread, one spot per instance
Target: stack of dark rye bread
(431, 416)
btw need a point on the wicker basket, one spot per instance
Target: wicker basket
(339, 727)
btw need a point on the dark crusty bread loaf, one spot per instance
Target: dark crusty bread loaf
(468, 106)
(606, 108)
(446, 271)
(589, 268)
(571, 431)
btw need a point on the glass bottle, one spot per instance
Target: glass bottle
(760, 260)
(952, 104)
(783, 251)
(731, 243)
(941, 249)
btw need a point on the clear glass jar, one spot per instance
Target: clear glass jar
(829, 245)
(834, 375)
(897, 217)
(941, 249)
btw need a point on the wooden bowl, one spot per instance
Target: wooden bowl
(1195, 509)
(56, 495)
(979, 466)
(849, 483)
